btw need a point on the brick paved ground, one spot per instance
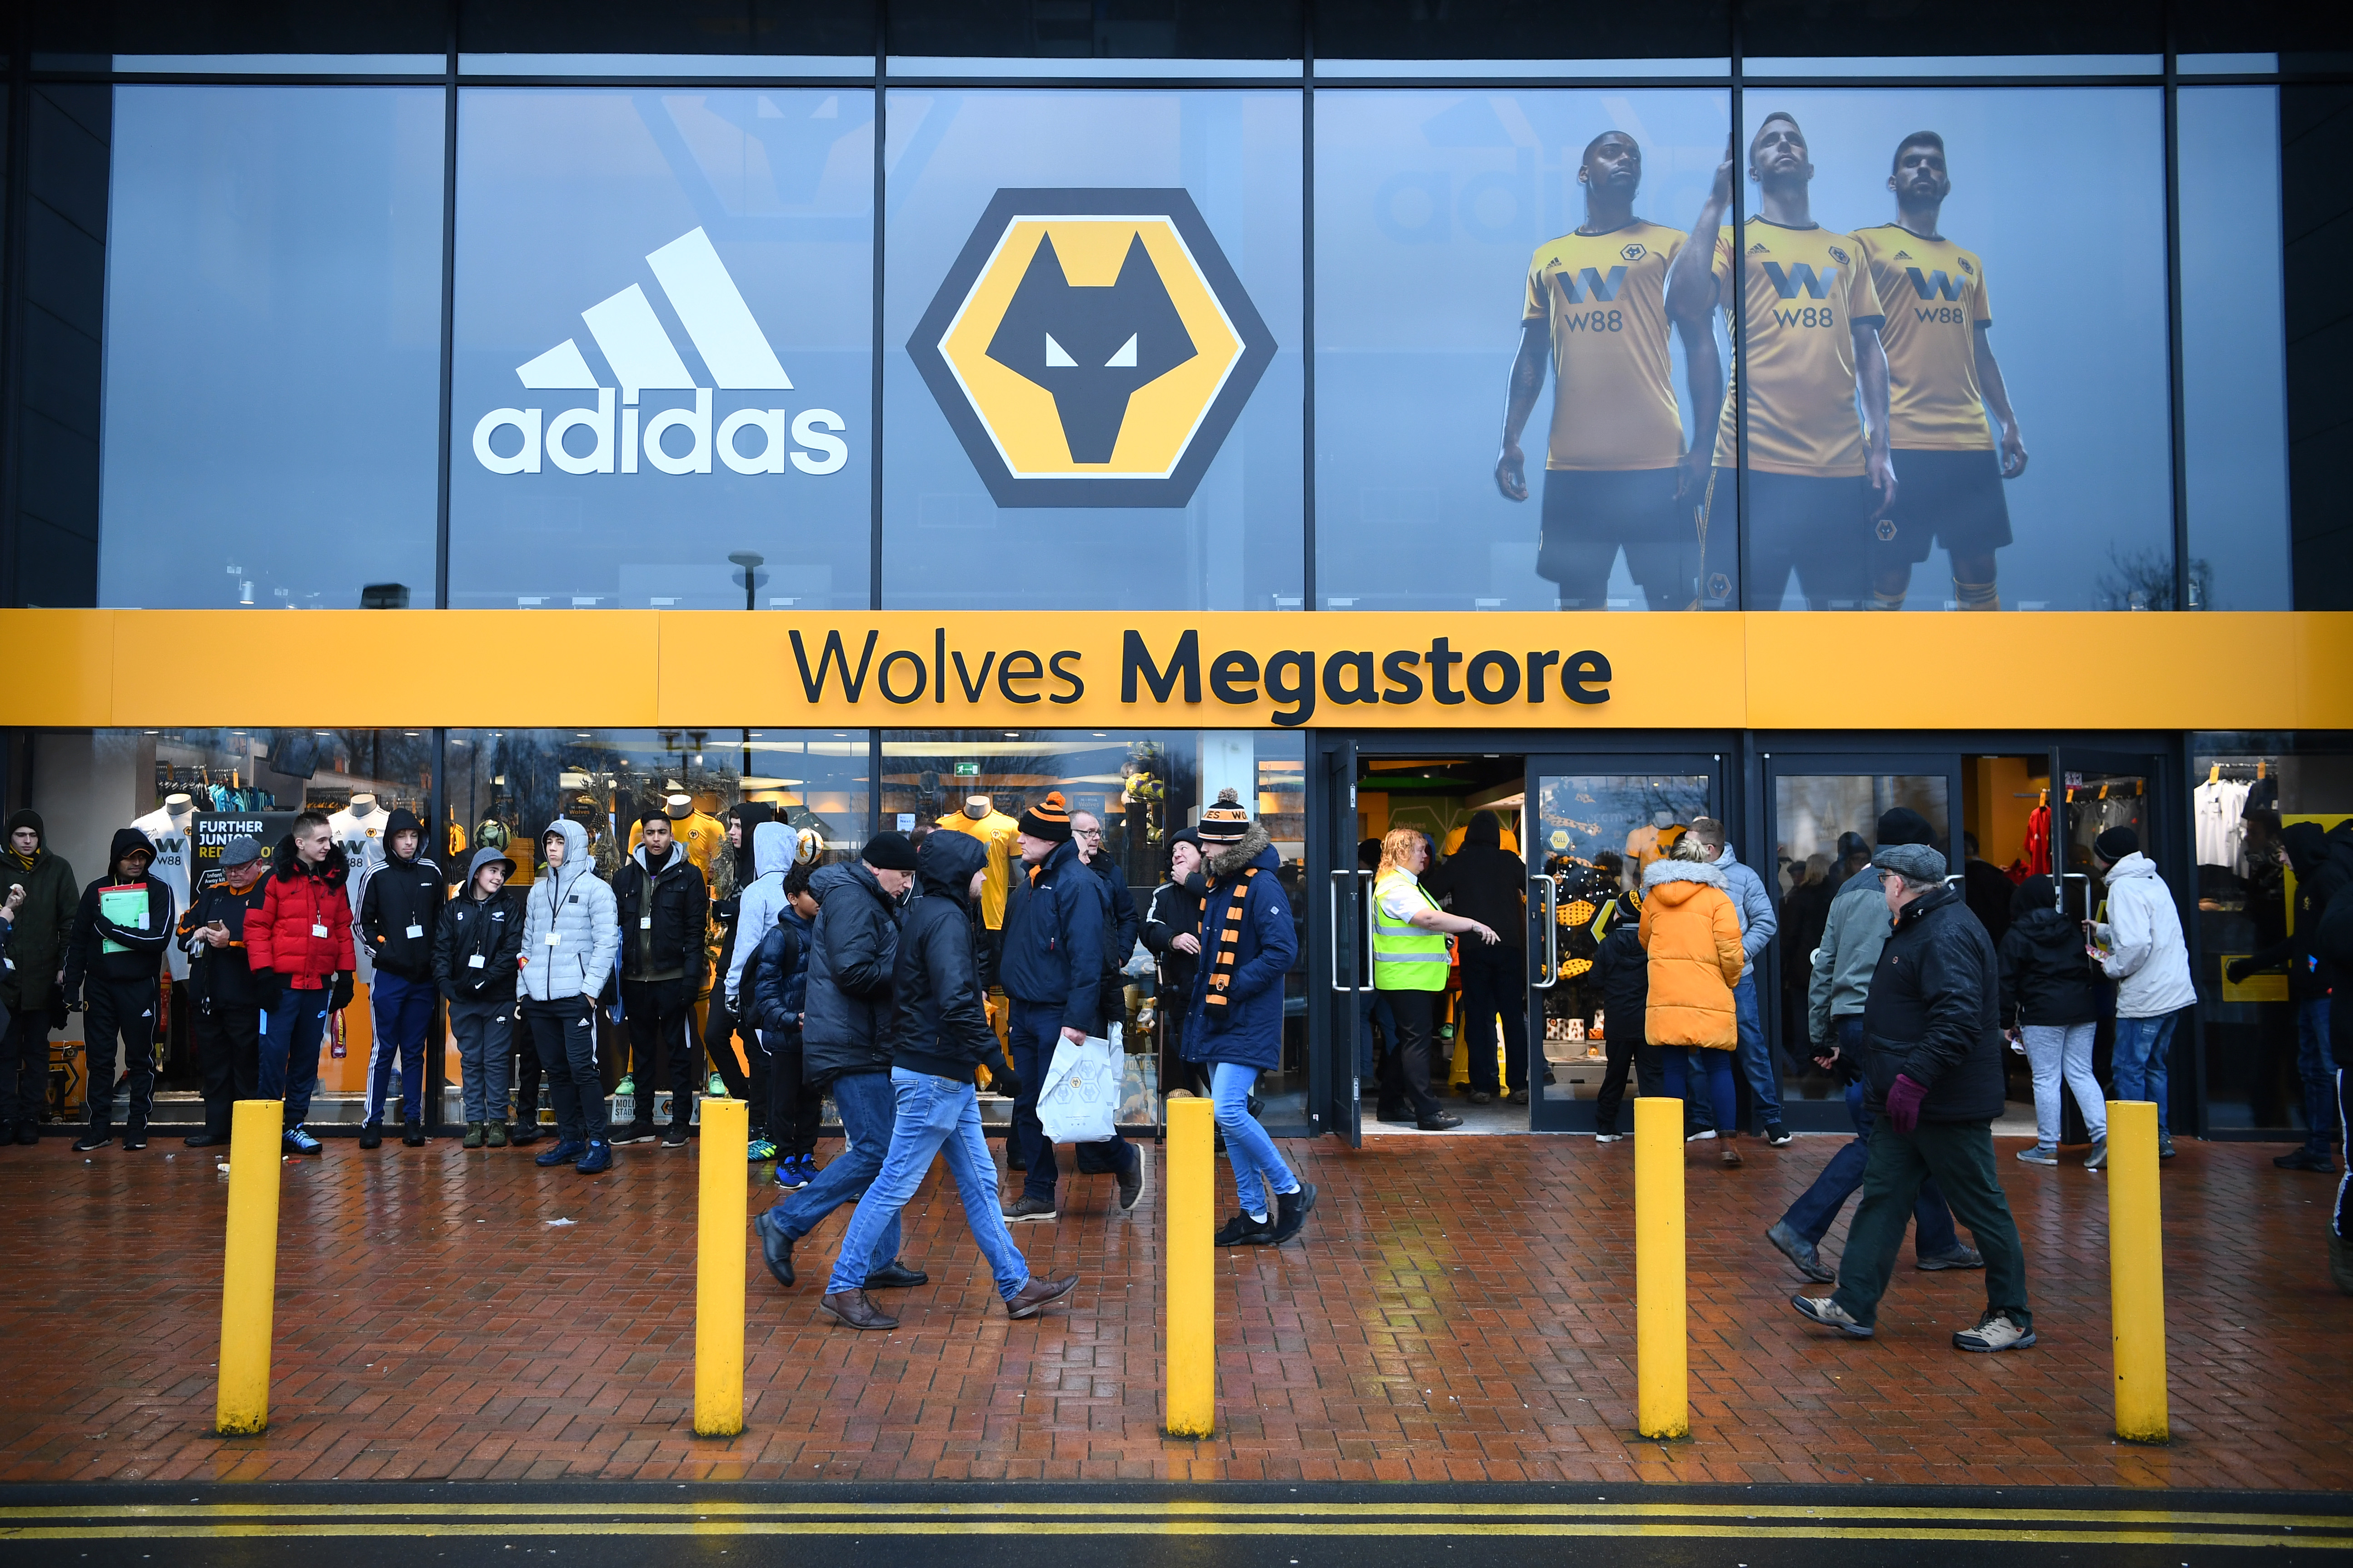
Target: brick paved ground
(1462, 1312)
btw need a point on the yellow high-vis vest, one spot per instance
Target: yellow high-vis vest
(1405, 957)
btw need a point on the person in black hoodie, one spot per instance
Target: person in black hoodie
(30, 984)
(112, 962)
(1488, 884)
(1621, 969)
(664, 908)
(476, 945)
(1932, 1062)
(400, 907)
(2322, 869)
(937, 1035)
(2049, 1005)
(225, 1023)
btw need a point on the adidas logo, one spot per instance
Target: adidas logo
(641, 356)
(1903, 256)
(1758, 250)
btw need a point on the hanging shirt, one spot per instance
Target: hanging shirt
(1806, 289)
(2218, 808)
(172, 853)
(1604, 299)
(1934, 296)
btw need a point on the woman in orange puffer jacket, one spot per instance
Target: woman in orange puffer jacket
(1693, 936)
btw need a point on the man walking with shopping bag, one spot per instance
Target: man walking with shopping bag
(1052, 971)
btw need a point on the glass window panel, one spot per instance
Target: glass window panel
(694, 27)
(62, 308)
(2316, 144)
(1503, 30)
(1786, 27)
(2250, 792)
(1133, 30)
(663, 349)
(2087, 524)
(2233, 355)
(1434, 212)
(1235, 543)
(273, 348)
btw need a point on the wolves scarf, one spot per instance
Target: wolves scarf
(1229, 941)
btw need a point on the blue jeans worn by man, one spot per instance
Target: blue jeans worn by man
(2137, 1066)
(869, 1110)
(290, 1032)
(934, 1116)
(402, 1013)
(1755, 1056)
(1256, 1164)
(2317, 1066)
(1034, 1029)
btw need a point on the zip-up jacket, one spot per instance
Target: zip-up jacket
(776, 983)
(1622, 970)
(1930, 1016)
(475, 928)
(1053, 946)
(939, 1021)
(2323, 866)
(44, 922)
(400, 904)
(1245, 1030)
(664, 913)
(1175, 912)
(1121, 924)
(137, 945)
(571, 903)
(2142, 949)
(220, 978)
(853, 952)
(1849, 954)
(302, 928)
(2045, 978)
(772, 847)
(1751, 903)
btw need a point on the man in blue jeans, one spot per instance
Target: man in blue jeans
(938, 1033)
(1757, 924)
(1053, 970)
(847, 1010)
(2138, 943)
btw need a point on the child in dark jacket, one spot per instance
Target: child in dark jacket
(2049, 1004)
(1622, 971)
(775, 995)
(113, 960)
(475, 946)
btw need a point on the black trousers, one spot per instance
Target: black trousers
(228, 1053)
(1495, 982)
(796, 1111)
(564, 1033)
(1405, 1070)
(25, 1070)
(660, 1017)
(125, 1009)
(1624, 1048)
(529, 1072)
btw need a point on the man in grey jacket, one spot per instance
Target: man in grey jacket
(1757, 924)
(2139, 945)
(570, 935)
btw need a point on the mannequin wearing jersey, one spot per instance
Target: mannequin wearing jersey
(171, 828)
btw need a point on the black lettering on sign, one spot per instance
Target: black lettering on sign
(1135, 658)
(1363, 691)
(1233, 678)
(1018, 665)
(833, 656)
(1580, 672)
(882, 676)
(1405, 685)
(1500, 664)
(1077, 687)
(1297, 688)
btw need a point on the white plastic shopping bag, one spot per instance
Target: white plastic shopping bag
(1080, 1101)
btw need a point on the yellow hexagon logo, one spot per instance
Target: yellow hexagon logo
(1091, 348)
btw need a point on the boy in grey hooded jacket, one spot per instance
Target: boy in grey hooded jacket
(570, 935)
(774, 846)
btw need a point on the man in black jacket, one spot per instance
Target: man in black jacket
(1172, 931)
(938, 1035)
(1488, 883)
(476, 946)
(1121, 926)
(846, 1015)
(30, 984)
(2322, 869)
(226, 1022)
(400, 905)
(663, 906)
(120, 933)
(1932, 1062)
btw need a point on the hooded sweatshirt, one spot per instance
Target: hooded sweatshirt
(130, 948)
(1693, 935)
(772, 847)
(2045, 978)
(665, 908)
(573, 906)
(939, 1018)
(479, 939)
(1487, 882)
(45, 921)
(2141, 946)
(401, 904)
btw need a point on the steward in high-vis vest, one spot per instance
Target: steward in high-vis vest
(1410, 963)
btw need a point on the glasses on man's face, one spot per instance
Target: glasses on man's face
(1086, 832)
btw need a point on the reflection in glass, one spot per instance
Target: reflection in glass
(1436, 212)
(1858, 267)
(663, 345)
(1594, 835)
(273, 347)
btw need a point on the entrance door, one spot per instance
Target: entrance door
(1593, 823)
(1822, 813)
(1339, 948)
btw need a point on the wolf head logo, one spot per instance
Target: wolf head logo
(1091, 347)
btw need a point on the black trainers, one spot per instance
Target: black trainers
(1291, 1212)
(1777, 1135)
(673, 1136)
(93, 1138)
(633, 1134)
(1136, 1180)
(1026, 1207)
(1243, 1231)
(372, 1135)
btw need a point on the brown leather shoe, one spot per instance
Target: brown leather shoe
(852, 1308)
(1033, 1298)
(1731, 1148)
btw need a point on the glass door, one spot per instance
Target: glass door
(1822, 821)
(1339, 947)
(1590, 825)
(2098, 791)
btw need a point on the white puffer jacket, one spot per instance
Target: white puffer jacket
(2141, 945)
(574, 904)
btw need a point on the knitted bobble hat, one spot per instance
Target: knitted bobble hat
(1226, 821)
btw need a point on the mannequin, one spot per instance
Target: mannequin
(170, 829)
(359, 828)
(704, 837)
(979, 818)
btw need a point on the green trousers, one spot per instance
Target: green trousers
(1959, 1155)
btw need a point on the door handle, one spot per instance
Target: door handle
(1551, 931)
(1338, 925)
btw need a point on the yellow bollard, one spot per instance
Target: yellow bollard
(1662, 1335)
(2136, 1272)
(249, 1268)
(1191, 1263)
(719, 1270)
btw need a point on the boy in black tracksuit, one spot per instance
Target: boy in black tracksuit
(399, 907)
(226, 1026)
(664, 906)
(120, 958)
(1622, 971)
(475, 946)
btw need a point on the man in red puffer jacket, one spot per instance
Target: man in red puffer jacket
(300, 943)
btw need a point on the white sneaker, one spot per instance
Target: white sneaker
(1609, 1137)
(1702, 1137)
(1825, 1311)
(1997, 1332)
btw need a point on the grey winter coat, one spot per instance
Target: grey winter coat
(1853, 935)
(572, 903)
(1751, 903)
